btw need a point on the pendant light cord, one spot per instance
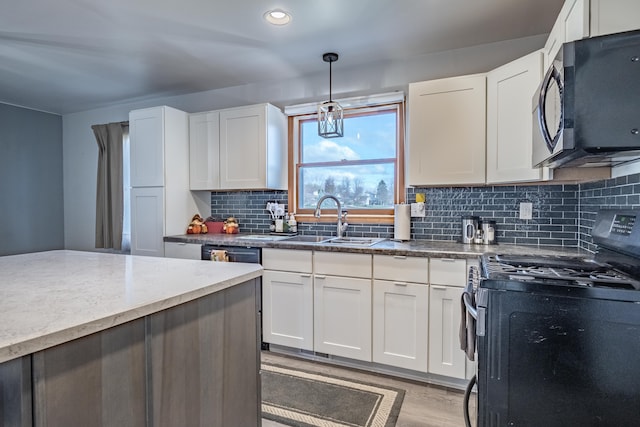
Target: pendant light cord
(330, 75)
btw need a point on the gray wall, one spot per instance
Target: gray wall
(31, 189)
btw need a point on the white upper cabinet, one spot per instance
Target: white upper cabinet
(146, 130)
(589, 18)
(253, 148)
(510, 89)
(204, 151)
(447, 131)
(239, 148)
(159, 147)
(614, 16)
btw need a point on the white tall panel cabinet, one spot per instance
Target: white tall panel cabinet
(161, 203)
(510, 89)
(447, 131)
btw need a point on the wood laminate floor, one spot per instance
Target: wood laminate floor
(424, 405)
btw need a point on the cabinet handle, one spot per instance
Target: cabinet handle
(400, 256)
(448, 259)
(320, 276)
(439, 288)
(305, 275)
(400, 283)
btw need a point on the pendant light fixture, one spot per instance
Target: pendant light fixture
(330, 114)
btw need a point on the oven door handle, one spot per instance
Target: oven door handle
(467, 295)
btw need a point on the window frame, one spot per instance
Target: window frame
(379, 216)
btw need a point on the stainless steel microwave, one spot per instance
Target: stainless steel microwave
(586, 111)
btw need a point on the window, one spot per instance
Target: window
(363, 169)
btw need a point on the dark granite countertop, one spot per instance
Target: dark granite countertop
(420, 248)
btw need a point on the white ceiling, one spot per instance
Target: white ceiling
(71, 55)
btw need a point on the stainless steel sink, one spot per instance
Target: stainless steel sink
(357, 241)
(308, 239)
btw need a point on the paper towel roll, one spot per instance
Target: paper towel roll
(402, 222)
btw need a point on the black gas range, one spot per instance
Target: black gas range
(558, 337)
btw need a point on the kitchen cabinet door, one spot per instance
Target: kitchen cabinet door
(447, 131)
(572, 24)
(146, 133)
(287, 308)
(182, 250)
(147, 221)
(614, 16)
(253, 148)
(445, 356)
(400, 324)
(510, 89)
(401, 268)
(342, 316)
(204, 151)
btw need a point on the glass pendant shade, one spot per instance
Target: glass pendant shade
(330, 120)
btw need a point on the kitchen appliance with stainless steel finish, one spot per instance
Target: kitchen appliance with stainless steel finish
(585, 110)
(469, 228)
(558, 337)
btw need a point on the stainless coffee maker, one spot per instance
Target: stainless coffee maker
(469, 228)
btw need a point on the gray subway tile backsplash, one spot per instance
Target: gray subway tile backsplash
(563, 214)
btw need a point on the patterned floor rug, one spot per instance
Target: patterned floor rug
(304, 399)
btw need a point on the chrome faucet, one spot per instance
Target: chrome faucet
(341, 226)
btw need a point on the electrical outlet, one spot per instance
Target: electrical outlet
(526, 210)
(418, 210)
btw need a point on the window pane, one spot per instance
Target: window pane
(362, 186)
(365, 137)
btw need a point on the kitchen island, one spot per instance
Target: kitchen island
(111, 340)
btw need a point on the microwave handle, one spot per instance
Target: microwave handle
(554, 74)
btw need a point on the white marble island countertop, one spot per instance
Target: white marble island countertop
(48, 298)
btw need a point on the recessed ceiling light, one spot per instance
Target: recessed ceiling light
(277, 17)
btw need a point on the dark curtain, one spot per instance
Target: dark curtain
(109, 194)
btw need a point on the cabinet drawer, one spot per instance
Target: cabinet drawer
(342, 264)
(448, 271)
(400, 268)
(182, 250)
(287, 260)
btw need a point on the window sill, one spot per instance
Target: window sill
(351, 219)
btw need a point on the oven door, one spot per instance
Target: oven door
(548, 116)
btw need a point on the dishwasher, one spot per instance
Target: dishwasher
(234, 253)
(240, 254)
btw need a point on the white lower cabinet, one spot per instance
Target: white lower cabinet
(182, 250)
(447, 278)
(342, 316)
(445, 356)
(287, 298)
(400, 324)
